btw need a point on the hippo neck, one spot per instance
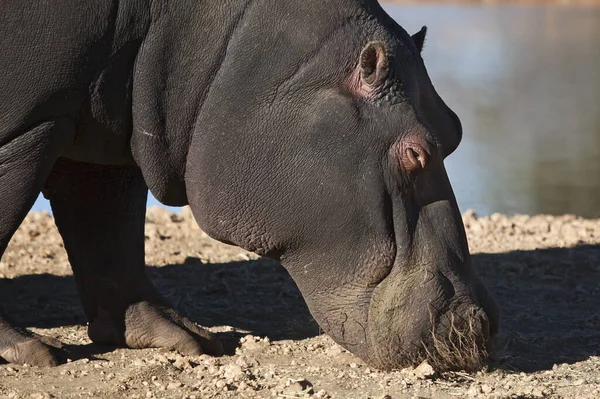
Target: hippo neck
(190, 48)
(174, 69)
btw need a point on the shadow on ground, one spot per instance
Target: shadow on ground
(550, 303)
(549, 298)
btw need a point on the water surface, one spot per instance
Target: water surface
(525, 81)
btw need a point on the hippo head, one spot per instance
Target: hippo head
(327, 155)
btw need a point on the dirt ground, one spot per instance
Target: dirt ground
(544, 271)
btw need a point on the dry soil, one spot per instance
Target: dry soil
(543, 270)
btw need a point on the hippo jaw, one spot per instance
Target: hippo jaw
(421, 301)
(406, 319)
(428, 314)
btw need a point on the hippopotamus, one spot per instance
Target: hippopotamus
(304, 131)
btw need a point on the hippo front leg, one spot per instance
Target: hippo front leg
(25, 161)
(100, 213)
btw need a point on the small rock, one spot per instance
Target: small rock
(474, 390)
(233, 372)
(220, 384)
(269, 375)
(246, 361)
(182, 363)
(322, 394)
(486, 389)
(247, 338)
(161, 359)
(334, 350)
(174, 385)
(424, 371)
(298, 387)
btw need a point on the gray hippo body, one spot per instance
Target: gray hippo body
(304, 131)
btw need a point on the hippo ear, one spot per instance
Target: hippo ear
(374, 65)
(419, 38)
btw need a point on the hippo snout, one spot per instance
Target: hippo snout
(439, 321)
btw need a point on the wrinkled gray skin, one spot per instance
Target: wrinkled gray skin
(307, 131)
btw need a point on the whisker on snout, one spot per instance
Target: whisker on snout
(460, 347)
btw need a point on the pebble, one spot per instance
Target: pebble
(424, 371)
(321, 394)
(486, 389)
(182, 363)
(174, 385)
(220, 384)
(233, 372)
(294, 387)
(474, 390)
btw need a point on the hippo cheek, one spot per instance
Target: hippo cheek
(425, 316)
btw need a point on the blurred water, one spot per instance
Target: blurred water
(525, 81)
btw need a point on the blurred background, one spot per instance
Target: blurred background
(525, 81)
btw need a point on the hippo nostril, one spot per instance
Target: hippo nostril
(415, 157)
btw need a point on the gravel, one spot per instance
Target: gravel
(543, 270)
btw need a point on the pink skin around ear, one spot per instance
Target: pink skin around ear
(371, 71)
(358, 87)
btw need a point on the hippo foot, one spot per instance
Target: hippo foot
(31, 351)
(149, 325)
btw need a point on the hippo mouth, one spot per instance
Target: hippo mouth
(430, 322)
